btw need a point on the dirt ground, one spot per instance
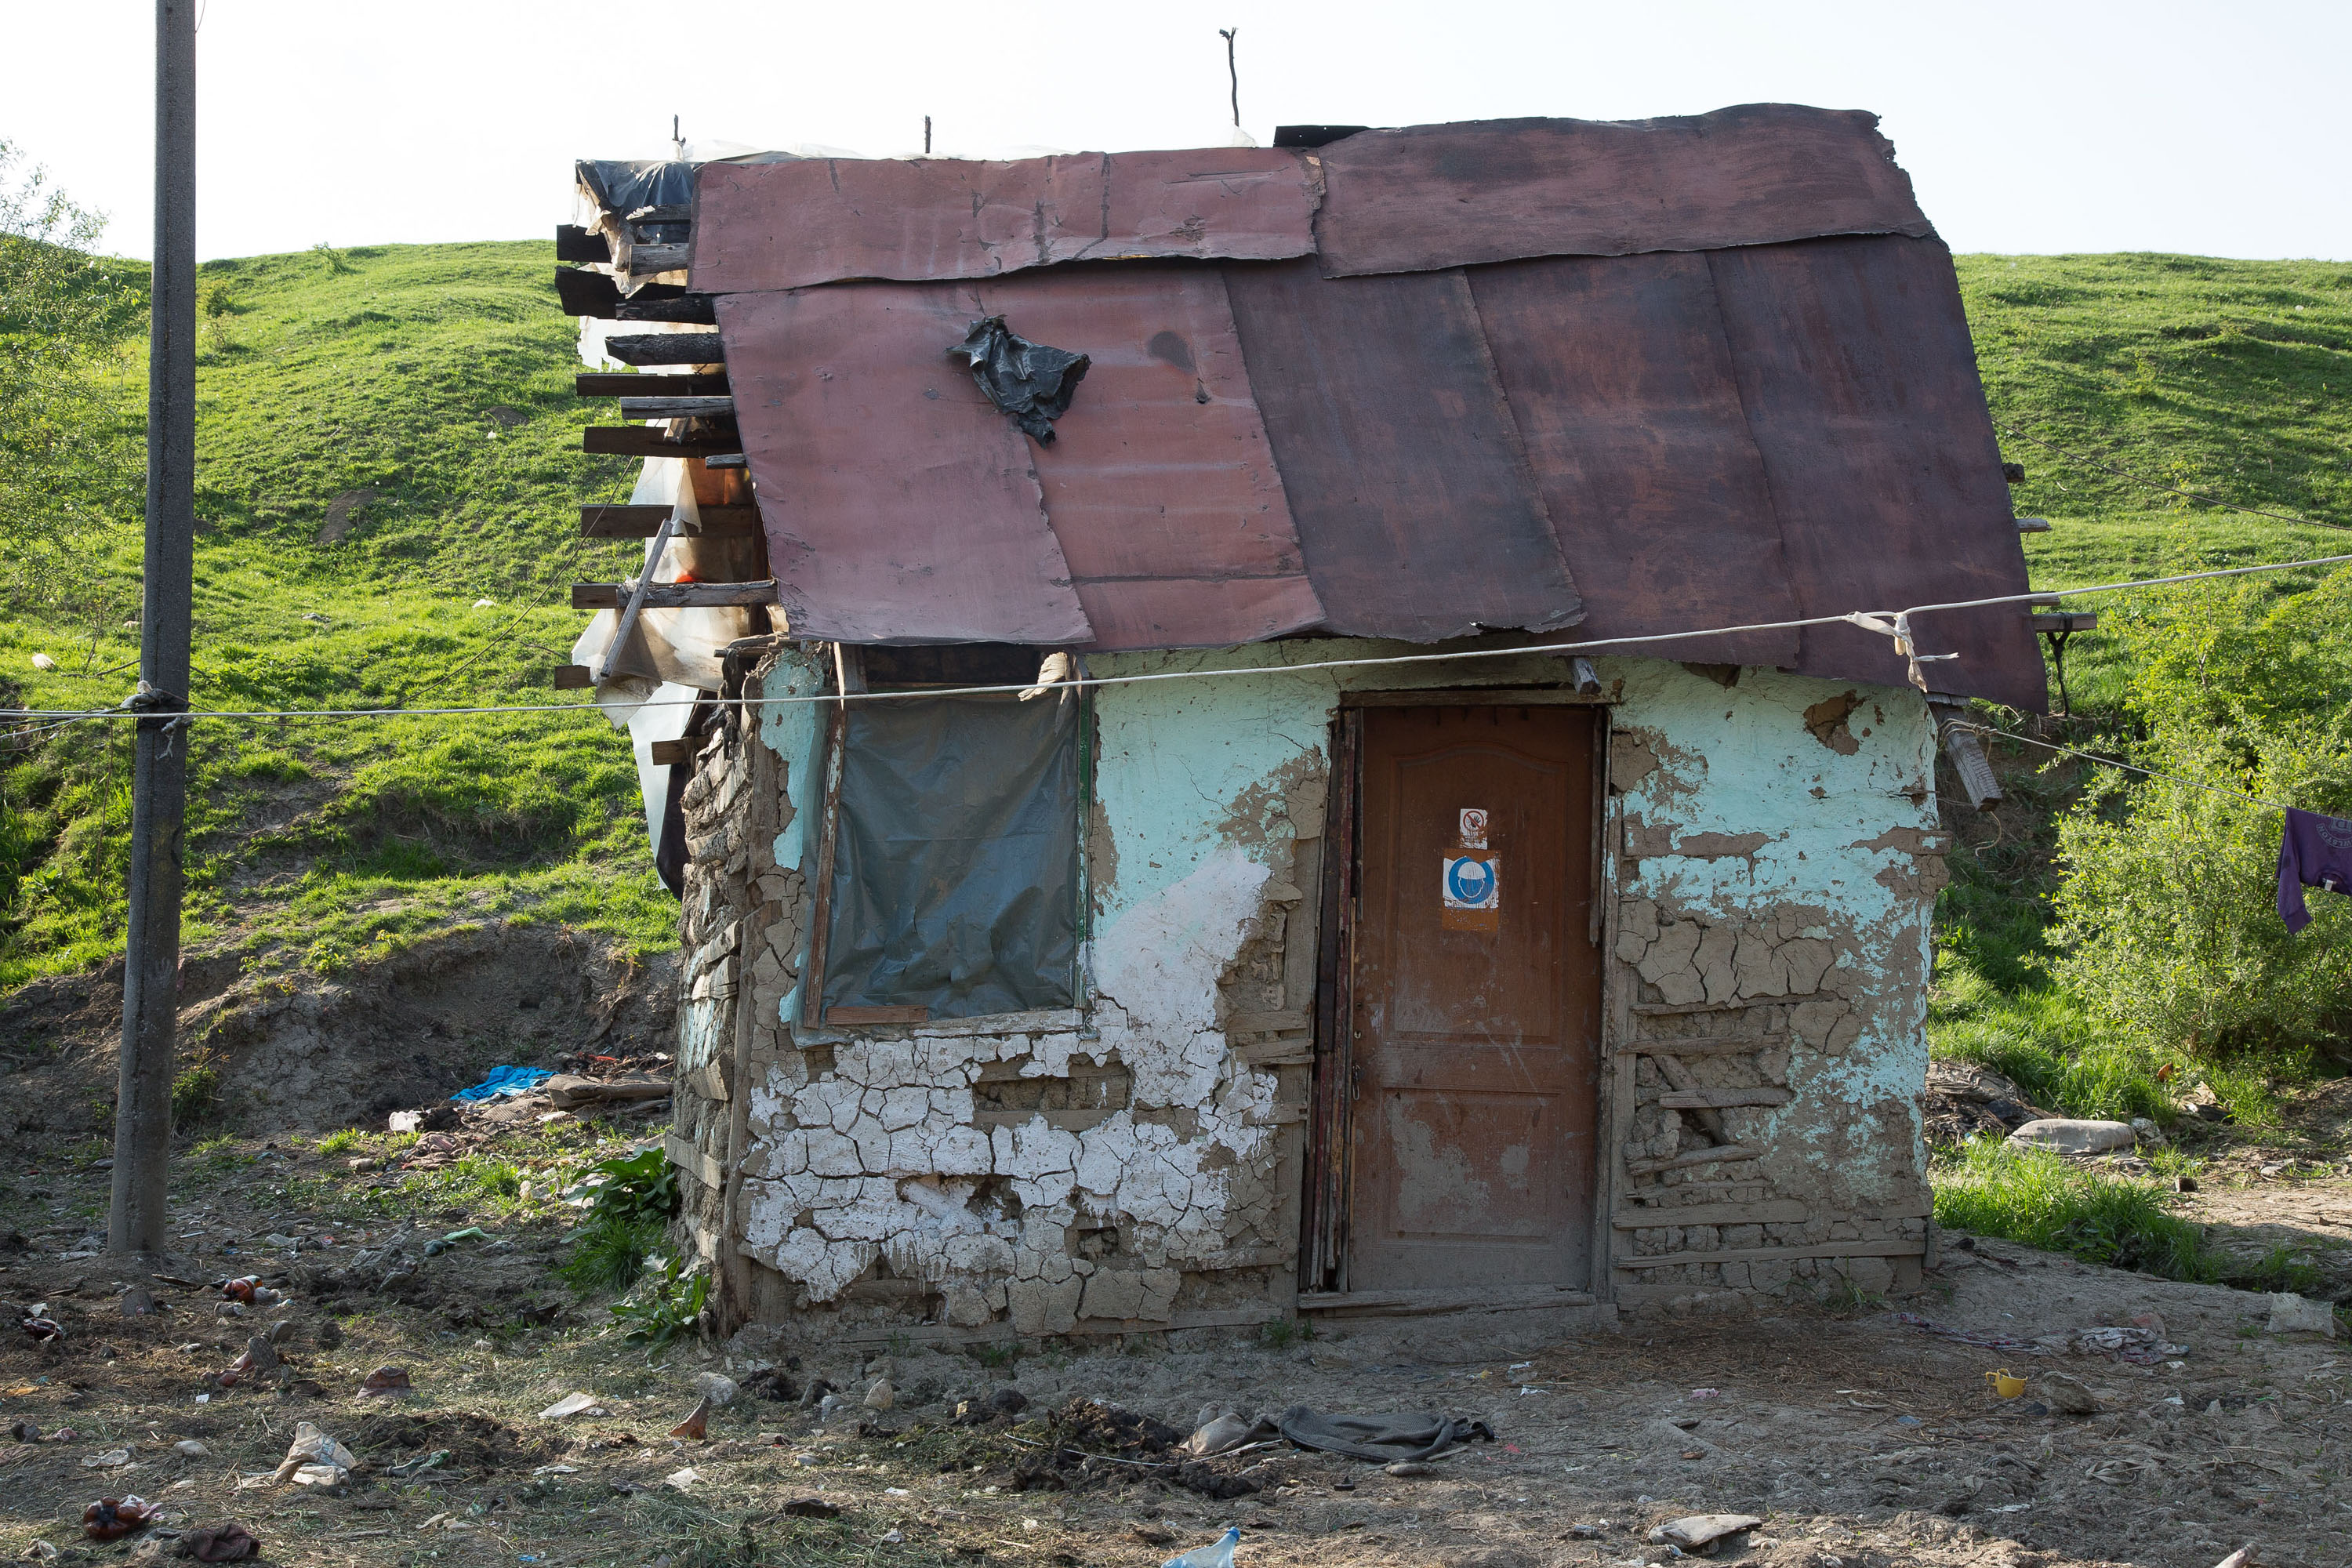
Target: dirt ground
(1857, 1437)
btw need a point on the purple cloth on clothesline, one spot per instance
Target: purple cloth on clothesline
(2315, 851)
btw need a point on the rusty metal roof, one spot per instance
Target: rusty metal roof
(1513, 375)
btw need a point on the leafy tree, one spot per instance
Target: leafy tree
(69, 458)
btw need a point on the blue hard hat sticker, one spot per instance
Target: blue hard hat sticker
(1470, 882)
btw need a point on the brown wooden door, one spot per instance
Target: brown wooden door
(1476, 1001)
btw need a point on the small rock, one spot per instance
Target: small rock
(388, 1382)
(228, 1309)
(2072, 1137)
(191, 1448)
(138, 1302)
(717, 1387)
(1009, 1402)
(327, 1336)
(881, 1396)
(280, 1332)
(2149, 1134)
(2294, 1314)
(2068, 1394)
(1701, 1529)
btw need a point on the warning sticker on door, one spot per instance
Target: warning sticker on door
(1471, 893)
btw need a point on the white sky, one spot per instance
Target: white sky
(2053, 126)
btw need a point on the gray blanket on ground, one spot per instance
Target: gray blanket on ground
(1383, 1439)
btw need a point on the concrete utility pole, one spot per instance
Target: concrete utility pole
(159, 780)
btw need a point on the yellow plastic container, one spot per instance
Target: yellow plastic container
(2004, 1384)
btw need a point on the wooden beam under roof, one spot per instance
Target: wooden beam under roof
(667, 348)
(609, 383)
(644, 441)
(674, 595)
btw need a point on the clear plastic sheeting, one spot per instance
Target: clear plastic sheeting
(678, 647)
(955, 866)
(664, 716)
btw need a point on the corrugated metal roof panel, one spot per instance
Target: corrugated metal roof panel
(1757, 175)
(787, 226)
(1415, 505)
(899, 505)
(1160, 483)
(1862, 391)
(1620, 382)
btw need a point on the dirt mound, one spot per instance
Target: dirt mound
(1963, 1100)
(294, 1051)
(1103, 1428)
(475, 1441)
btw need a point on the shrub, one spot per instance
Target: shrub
(632, 1200)
(2167, 928)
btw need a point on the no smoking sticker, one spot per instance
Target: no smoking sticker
(1471, 892)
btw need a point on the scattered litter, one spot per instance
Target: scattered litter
(1380, 1438)
(1706, 1393)
(2242, 1557)
(894, 1538)
(574, 1404)
(682, 1479)
(440, 1245)
(419, 1465)
(40, 1326)
(2294, 1314)
(223, 1542)
(2008, 1342)
(2005, 1383)
(43, 661)
(557, 1470)
(404, 1121)
(327, 1462)
(1410, 1467)
(111, 1519)
(137, 1302)
(39, 1552)
(502, 1081)
(1228, 1432)
(696, 1424)
(113, 1459)
(1217, 1554)
(386, 1382)
(2139, 1345)
(1701, 1529)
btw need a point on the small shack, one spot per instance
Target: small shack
(1281, 741)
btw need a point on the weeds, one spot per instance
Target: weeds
(1990, 1187)
(632, 1199)
(665, 1306)
(220, 1154)
(342, 1142)
(1284, 1332)
(196, 1092)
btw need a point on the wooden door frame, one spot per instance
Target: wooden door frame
(1326, 1209)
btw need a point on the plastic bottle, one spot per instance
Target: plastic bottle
(1217, 1554)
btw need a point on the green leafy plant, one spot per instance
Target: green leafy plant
(1992, 1187)
(1284, 1332)
(342, 1142)
(664, 1305)
(630, 1201)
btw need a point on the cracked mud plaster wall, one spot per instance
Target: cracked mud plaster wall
(1138, 1160)
(1778, 863)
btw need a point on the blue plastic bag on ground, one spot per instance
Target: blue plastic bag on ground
(504, 1081)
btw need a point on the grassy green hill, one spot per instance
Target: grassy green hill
(419, 397)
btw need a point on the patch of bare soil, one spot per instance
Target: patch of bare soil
(1859, 1440)
(314, 1054)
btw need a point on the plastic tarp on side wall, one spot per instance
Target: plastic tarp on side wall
(956, 857)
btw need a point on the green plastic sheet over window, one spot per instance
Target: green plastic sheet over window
(955, 867)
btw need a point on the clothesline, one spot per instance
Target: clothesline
(1892, 622)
